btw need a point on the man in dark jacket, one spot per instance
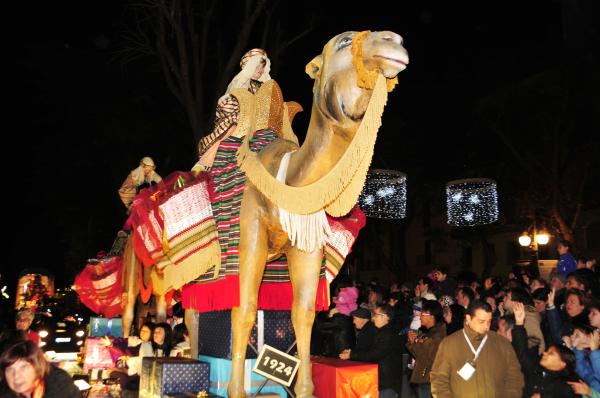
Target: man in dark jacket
(385, 351)
(365, 331)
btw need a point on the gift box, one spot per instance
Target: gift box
(106, 327)
(97, 355)
(193, 395)
(338, 378)
(164, 376)
(220, 373)
(271, 327)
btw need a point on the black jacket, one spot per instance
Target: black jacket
(58, 384)
(337, 333)
(537, 379)
(385, 351)
(365, 337)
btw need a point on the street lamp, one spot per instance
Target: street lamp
(532, 241)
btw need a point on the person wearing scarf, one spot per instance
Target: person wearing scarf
(255, 67)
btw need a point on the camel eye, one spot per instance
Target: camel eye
(344, 42)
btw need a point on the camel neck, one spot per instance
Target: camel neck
(321, 150)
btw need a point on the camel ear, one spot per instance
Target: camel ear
(313, 68)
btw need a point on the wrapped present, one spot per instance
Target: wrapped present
(337, 378)
(106, 327)
(272, 327)
(220, 372)
(97, 355)
(168, 376)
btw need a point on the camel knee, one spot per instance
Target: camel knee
(245, 315)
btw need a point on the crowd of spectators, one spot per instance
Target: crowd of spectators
(517, 335)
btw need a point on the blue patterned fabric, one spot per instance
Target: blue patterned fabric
(215, 334)
(162, 376)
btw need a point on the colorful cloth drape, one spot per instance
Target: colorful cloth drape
(206, 293)
(99, 286)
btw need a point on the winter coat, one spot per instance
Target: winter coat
(535, 337)
(498, 373)
(337, 333)
(424, 352)
(549, 384)
(385, 351)
(365, 337)
(588, 367)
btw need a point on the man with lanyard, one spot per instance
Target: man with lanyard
(476, 362)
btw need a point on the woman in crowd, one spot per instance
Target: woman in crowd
(162, 342)
(24, 372)
(561, 323)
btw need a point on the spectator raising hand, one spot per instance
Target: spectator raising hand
(519, 311)
(551, 296)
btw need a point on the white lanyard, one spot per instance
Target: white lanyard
(476, 353)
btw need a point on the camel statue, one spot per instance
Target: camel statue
(288, 190)
(321, 174)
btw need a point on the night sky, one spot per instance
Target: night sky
(82, 117)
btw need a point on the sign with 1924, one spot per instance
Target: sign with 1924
(276, 365)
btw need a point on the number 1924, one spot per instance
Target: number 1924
(276, 365)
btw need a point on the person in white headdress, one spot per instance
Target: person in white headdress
(255, 67)
(143, 174)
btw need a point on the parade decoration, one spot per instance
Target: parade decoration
(472, 202)
(384, 194)
(326, 174)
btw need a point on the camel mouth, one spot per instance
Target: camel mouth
(403, 62)
(392, 64)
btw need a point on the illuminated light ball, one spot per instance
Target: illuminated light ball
(472, 202)
(384, 194)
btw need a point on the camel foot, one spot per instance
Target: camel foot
(235, 390)
(304, 390)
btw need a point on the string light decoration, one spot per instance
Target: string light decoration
(384, 194)
(472, 202)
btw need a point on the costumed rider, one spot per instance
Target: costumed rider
(140, 177)
(255, 71)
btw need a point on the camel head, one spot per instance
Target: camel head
(345, 71)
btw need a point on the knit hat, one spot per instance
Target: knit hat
(345, 301)
(362, 313)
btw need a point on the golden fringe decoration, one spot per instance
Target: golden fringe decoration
(175, 276)
(338, 190)
(366, 78)
(306, 232)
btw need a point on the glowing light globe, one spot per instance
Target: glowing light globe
(384, 194)
(472, 202)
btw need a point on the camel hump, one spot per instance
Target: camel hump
(266, 110)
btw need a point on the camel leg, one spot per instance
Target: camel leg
(192, 319)
(304, 274)
(161, 308)
(253, 257)
(131, 267)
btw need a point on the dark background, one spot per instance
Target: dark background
(82, 117)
